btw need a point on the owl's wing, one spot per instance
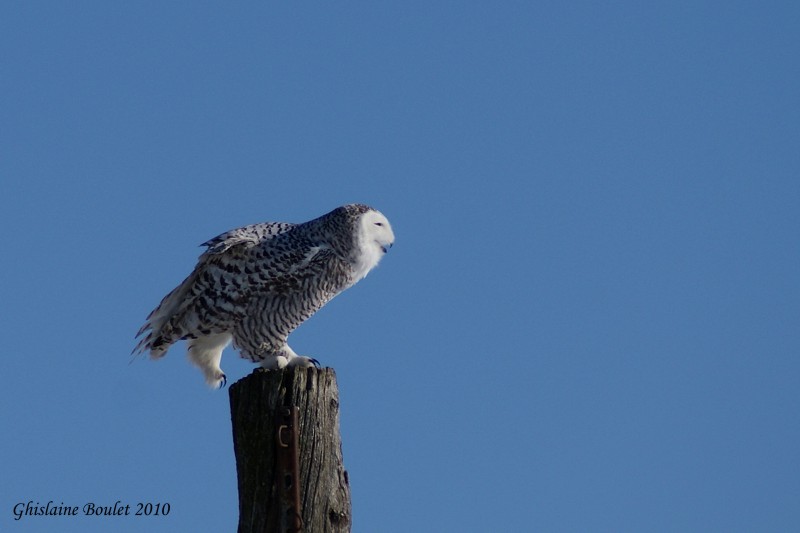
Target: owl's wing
(247, 235)
(214, 294)
(292, 283)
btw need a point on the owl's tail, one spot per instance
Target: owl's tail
(158, 332)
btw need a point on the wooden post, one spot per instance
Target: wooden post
(258, 404)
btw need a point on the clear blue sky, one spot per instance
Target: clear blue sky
(590, 320)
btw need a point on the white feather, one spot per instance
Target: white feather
(206, 354)
(374, 237)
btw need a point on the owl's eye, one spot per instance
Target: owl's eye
(379, 224)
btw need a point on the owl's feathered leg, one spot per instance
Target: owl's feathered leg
(286, 357)
(206, 353)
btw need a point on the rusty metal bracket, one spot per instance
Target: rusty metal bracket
(288, 472)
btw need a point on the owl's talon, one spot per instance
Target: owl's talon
(224, 381)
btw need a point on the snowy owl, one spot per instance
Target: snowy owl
(254, 285)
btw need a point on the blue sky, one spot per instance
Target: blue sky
(589, 320)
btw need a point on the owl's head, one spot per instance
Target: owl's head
(374, 236)
(376, 230)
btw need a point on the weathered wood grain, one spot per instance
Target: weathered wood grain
(324, 486)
